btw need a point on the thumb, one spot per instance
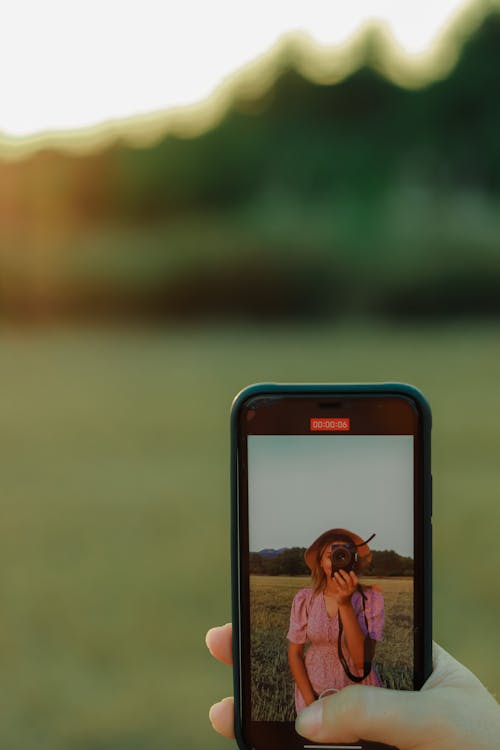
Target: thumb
(398, 718)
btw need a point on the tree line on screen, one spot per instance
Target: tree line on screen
(290, 562)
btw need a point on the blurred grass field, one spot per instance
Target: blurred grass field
(114, 520)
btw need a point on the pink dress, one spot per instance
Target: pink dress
(310, 622)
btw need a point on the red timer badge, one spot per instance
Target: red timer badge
(330, 424)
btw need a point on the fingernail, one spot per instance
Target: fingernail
(308, 722)
(213, 711)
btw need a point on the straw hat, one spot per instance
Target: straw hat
(312, 553)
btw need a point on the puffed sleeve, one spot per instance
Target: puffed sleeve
(299, 616)
(374, 610)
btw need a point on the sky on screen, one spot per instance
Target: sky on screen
(300, 486)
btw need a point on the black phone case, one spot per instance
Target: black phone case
(342, 389)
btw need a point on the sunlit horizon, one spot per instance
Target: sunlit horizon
(96, 66)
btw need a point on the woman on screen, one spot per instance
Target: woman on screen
(340, 619)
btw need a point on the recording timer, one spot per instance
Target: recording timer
(330, 424)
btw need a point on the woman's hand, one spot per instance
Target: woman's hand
(347, 584)
(299, 673)
(453, 711)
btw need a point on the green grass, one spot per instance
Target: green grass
(272, 685)
(114, 519)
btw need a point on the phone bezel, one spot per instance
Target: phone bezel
(359, 395)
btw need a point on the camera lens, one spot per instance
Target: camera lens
(342, 558)
(340, 555)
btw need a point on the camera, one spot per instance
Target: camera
(344, 556)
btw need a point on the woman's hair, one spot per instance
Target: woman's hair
(318, 575)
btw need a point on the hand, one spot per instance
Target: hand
(347, 584)
(219, 642)
(453, 711)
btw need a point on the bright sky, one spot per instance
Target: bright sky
(73, 64)
(302, 485)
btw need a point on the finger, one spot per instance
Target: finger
(219, 642)
(340, 579)
(448, 672)
(354, 578)
(348, 580)
(347, 584)
(400, 718)
(222, 717)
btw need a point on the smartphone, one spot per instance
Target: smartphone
(331, 549)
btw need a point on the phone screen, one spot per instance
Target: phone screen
(331, 554)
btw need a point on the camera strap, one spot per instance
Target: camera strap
(368, 652)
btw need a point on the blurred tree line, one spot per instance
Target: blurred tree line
(316, 200)
(290, 562)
